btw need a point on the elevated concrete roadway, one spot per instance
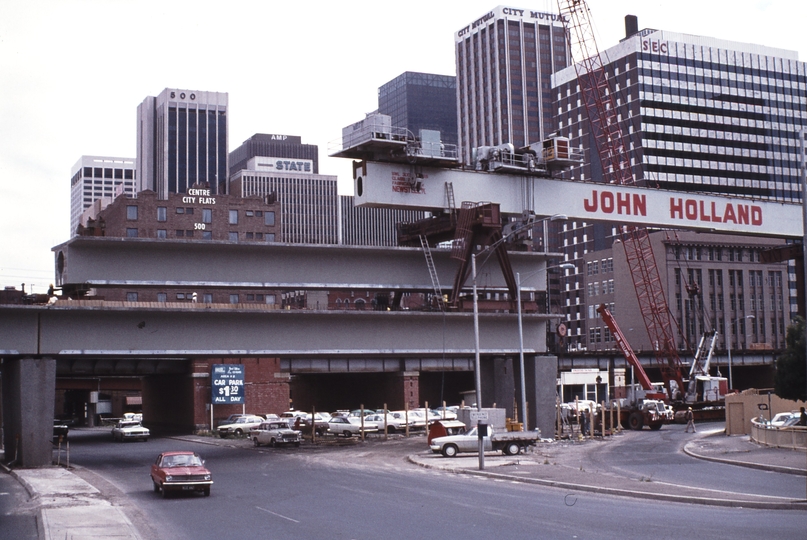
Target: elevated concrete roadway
(115, 262)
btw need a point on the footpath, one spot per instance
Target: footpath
(70, 507)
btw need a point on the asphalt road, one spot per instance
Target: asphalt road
(369, 491)
(16, 521)
(658, 457)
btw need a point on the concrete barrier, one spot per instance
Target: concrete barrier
(793, 437)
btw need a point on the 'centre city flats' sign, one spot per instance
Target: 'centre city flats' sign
(198, 196)
(227, 383)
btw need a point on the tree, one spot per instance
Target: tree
(790, 379)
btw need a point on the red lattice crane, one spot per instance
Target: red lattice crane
(598, 98)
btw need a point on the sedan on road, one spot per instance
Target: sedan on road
(180, 471)
(130, 430)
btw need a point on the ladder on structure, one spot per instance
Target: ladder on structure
(427, 252)
(452, 206)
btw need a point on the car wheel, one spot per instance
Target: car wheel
(319, 433)
(347, 434)
(635, 420)
(450, 450)
(238, 432)
(390, 429)
(164, 492)
(655, 427)
(273, 443)
(156, 486)
(255, 441)
(207, 492)
(512, 449)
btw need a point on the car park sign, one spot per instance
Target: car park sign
(227, 383)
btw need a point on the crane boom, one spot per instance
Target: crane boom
(601, 110)
(626, 349)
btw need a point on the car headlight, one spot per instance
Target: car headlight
(169, 478)
(207, 477)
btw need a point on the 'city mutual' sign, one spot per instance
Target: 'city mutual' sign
(227, 382)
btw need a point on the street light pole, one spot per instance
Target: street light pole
(477, 369)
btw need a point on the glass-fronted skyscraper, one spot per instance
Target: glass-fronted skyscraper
(505, 61)
(181, 141)
(699, 114)
(418, 101)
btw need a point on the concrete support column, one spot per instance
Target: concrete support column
(29, 389)
(541, 385)
(498, 383)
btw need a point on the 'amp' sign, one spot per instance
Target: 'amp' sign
(227, 383)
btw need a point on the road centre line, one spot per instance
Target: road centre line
(276, 514)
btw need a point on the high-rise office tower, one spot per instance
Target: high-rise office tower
(418, 101)
(698, 114)
(96, 177)
(505, 61)
(281, 168)
(181, 141)
(283, 147)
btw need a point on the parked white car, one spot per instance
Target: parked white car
(339, 425)
(275, 433)
(130, 430)
(379, 420)
(240, 426)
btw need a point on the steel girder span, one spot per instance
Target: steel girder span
(72, 330)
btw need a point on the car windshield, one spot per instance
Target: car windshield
(182, 460)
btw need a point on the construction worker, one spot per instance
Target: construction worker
(690, 420)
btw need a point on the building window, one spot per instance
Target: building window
(233, 217)
(131, 297)
(270, 237)
(180, 210)
(162, 233)
(250, 298)
(207, 298)
(207, 215)
(180, 296)
(233, 298)
(269, 218)
(131, 233)
(207, 235)
(162, 297)
(270, 299)
(249, 213)
(131, 212)
(250, 236)
(233, 236)
(162, 213)
(188, 234)
(189, 211)
(180, 234)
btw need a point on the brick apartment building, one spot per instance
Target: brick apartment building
(195, 216)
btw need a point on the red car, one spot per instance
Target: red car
(180, 471)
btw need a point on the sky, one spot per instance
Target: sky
(72, 73)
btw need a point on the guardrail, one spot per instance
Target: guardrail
(793, 437)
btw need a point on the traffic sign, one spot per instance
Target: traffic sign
(227, 383)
